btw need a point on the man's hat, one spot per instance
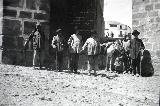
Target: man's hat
(58, 30)
(38, 24)
(135, 32)
(76, 27)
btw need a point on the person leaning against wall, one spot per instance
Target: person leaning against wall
(38, 38)
(93, 49)
(75, 46)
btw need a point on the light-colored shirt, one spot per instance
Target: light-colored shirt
(126, 45)
(57, 42)
(75, 43)
(92, 45)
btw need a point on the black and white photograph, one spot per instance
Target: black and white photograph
(79, 52)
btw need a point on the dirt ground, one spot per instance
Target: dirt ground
(23, 86)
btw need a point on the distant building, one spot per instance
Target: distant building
(116, 29)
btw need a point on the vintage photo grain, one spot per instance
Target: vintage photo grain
(79, 52)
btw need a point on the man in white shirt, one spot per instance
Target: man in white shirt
(93, 49)
(58, 45)
(75, 46)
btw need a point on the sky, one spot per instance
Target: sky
(118, 10)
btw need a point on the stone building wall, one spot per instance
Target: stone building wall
(100, 26)
(146, 19)
(1, 19)
(18, 20)
(82, 13)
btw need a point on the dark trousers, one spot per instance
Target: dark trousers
(74, 58)
(92, 63)
(136, 65)
(59, 60)
(127, 62)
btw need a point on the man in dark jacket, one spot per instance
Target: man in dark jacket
(58, 45)
(75, 46)
(38, 45)
(136, 45)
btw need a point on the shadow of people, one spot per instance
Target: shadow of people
(108, 76)
(147, 69)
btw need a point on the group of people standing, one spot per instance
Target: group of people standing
(76, 47)
(92, 47)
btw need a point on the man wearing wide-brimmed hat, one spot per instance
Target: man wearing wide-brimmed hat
(58, 45)
(136, 45)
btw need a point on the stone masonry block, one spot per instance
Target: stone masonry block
(1, 25)
(9, 42)
(11, 27)
(154, 26)
(19, 57)
(152, 39)
(155, 46)
(146, 1)
(1, 12)
(135, 9)
(145, 39)
(25, 14)
(45, 5)
(148, 46)
(11, 13)
(158, 19)
(13, 57)
(1, 4)
(31, 4)
(20, 43)
(8, 57)
(158, 53)
(140, 28)
(153, 53)
(139, 15)
(86, 25)
(90, 15)
(0, 29)
(154, 0)
(29, 57)
(149, 7)
(151, 20)
(157, 6)
(135, 22)
(40, 16)
(13, 3)
(153, 14)
(29, 27)
(137, 2)
(45, 28)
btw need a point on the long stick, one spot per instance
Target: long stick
(141, 54)
(25, 57)
(24, 53)
(56, 61)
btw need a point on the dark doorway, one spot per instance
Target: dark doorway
(58, 14)
(66, 14)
